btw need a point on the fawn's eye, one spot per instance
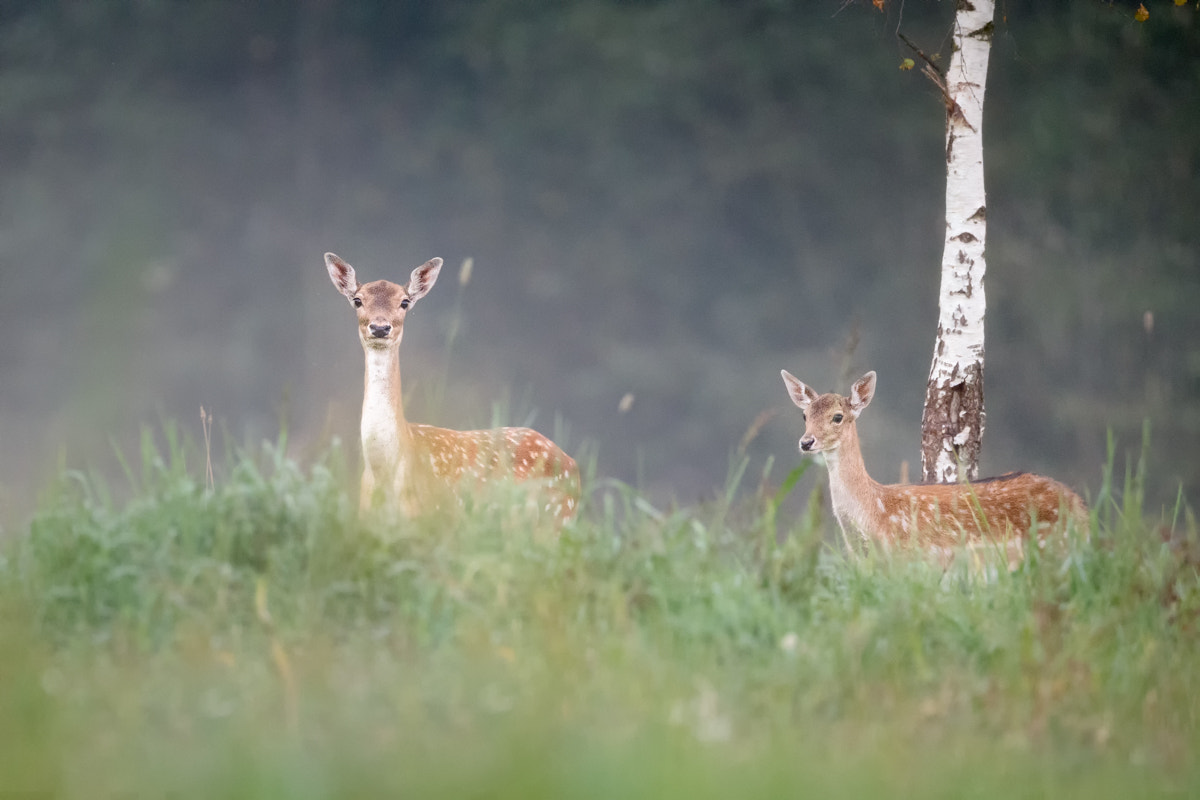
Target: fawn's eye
(405, 303)
(837, 417)
(357, 302)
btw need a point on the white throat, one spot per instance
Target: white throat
(849, 489)
(382, 420)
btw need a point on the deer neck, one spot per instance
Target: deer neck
(385, 433)
(856, 498)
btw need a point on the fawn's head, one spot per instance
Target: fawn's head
(828, 417)
(381, 305)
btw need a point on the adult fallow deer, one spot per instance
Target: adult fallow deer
(419, 468)
(938, 517)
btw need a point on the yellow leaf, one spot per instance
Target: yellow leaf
(878, 4)
(1181, 2)
(907, 63)
(1141, 15)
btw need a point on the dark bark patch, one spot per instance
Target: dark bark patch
(957, 117)
(984, 33)
(949, 408)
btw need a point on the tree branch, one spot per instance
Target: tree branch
(930, 70)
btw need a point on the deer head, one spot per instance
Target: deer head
(381, 305)
(829, 418)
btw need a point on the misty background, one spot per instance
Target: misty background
(669, 200)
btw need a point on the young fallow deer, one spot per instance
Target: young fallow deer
(420, 468)
(936, 517)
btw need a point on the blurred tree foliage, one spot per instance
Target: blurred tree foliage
(673, 199)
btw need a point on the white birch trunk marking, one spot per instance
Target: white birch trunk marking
(961, 300)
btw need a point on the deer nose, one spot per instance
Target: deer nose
(380, 331)
(808, 443)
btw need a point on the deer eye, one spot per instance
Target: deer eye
(357, 302)
(837, 417)
(405, 303)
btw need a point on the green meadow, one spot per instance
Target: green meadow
(245, 635)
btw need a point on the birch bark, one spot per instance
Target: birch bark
(953, 421)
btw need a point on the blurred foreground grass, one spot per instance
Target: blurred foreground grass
(252, 639)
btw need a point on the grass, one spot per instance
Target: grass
(248, 637)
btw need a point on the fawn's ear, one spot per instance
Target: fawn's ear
(801, 395)
(862, 392)
(423, 278)
(342, 275)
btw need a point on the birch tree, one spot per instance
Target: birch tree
(953, 421)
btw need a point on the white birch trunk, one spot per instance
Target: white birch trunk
(953, 421)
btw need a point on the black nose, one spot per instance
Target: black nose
(807, 443)
(380, 331)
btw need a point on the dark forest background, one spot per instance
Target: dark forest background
(671, 200)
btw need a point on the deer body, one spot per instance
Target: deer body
(420, 468)
(938, 516)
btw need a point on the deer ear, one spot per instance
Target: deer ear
(862, 392)
(342, 275)
(801, 395)
(423, 278)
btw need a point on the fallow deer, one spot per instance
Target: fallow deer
(420, 468)
(937, 517)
